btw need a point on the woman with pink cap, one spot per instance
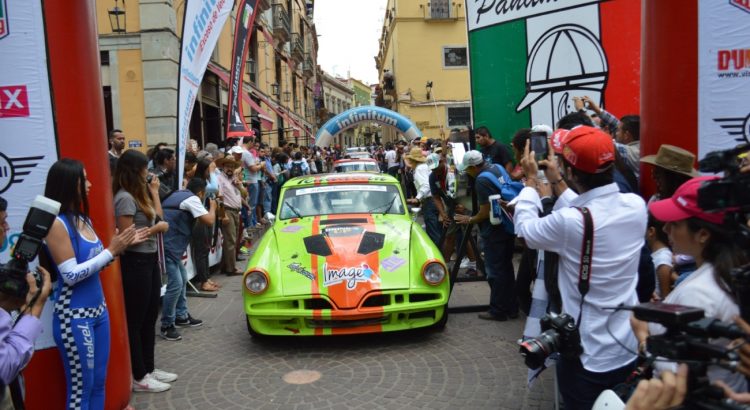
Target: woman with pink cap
(698, 233)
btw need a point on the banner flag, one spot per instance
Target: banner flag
(528, 59)
(201, 27)
(723, 75)
(236, 125)
(29, 143)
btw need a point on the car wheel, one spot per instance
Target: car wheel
(440, 324)
(255, 335)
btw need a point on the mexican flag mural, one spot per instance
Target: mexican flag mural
(528, 58)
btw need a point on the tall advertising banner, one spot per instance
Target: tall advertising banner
(236, 125)
(723, 75)
(528, 59)
(54, 52)
(201, 28)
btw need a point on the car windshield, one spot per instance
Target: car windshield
(341, 199)
(357, 166)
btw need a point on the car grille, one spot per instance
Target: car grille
(332, 323)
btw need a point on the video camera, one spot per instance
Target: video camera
(730, 194)
(686, 340)
(35, 228)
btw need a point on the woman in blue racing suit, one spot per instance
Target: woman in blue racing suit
(81, 322)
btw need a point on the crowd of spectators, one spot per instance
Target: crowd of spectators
(661, 247)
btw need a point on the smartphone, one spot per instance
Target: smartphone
(539, 145)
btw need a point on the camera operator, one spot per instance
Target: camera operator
(17, 341)
(697, 233)
(591, 359)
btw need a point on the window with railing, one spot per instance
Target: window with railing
(440, 9)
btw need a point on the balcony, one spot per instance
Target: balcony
(439, 10)
(263, 5)
(281, 26)
(297, 47)
(308, 68)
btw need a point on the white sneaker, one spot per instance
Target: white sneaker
(164, 377)
(150, 385)
(464, 263)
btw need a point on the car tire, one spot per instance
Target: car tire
(255, 335)
(439, 326)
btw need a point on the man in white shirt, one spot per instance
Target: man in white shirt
(619, 222)
(416, 159)
(391, 160)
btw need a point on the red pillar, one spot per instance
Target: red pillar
(669, 78)
(73, 52)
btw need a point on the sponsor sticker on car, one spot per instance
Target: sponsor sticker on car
(340, 188)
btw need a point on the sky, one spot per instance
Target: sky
(348, 34)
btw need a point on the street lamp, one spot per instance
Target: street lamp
(275, 90)
(117, 18)
(428, 87)
(287, 96)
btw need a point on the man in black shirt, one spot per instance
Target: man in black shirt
(494, 152)
(497, 243)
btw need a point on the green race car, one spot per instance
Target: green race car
(344, 256)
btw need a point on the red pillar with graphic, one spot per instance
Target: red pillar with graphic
(73, 51)
(669, 78)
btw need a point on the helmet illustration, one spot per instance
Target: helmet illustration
(566, 57)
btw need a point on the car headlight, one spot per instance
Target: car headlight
(256, 282)
(433, 272)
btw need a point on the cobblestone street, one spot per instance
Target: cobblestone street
(472, 364)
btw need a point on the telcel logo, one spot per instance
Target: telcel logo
(733, 59)
(742, 4)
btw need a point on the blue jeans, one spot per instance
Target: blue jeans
(252, 200)
(267, 197)
(174, 303)
(498, 266)
(580, 387)
(431, 220)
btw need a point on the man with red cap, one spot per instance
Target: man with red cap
(618, 223)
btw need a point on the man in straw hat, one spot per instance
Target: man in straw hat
(673, 166)
(416, 159)
(229, 187)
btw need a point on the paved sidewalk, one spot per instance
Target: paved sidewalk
(472, 364)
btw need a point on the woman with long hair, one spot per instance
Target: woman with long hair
(80, 322)
(137, 203)
(700, 234)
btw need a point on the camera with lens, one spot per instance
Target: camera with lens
(559, 334)
(731, 193)
(687, 340)
(35, 228)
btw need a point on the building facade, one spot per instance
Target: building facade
(422, 65)
(336, 97)
(140, 65)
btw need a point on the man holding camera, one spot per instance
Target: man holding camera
(17, 340)
(598, 233)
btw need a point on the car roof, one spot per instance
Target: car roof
(341, 178)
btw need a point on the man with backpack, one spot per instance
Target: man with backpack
(299, 166)
(497, 239)
(181, 209)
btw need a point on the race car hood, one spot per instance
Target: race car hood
(344, 257)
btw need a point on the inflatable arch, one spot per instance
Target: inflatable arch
(364, 114)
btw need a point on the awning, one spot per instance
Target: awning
(266, 121)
